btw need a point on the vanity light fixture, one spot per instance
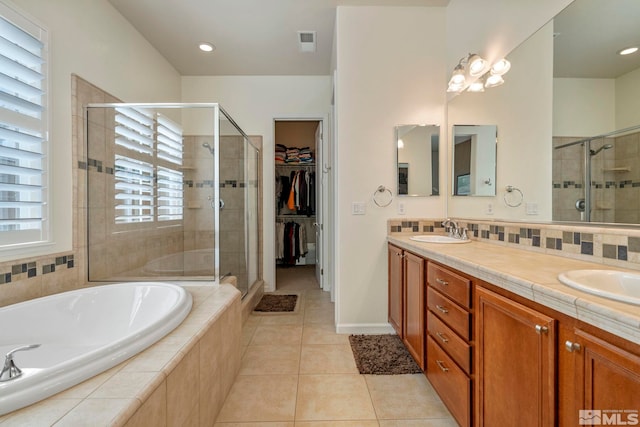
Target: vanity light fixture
(628, 50)
(476, 67)
(206, 47)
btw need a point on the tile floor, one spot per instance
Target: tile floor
(296, 371)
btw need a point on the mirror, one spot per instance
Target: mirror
(474, 160)
(417, 160)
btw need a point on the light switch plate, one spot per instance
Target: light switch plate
(401, 208)
(358, 208)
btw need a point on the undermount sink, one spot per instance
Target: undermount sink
(611, 284)
(431, 238)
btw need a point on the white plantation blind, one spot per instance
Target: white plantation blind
(134, 130)
(23, 129)
(170, 194)
(169, 140)
(134, 190)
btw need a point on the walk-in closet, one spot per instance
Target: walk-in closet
(296, 196)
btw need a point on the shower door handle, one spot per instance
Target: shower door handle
(212, 203)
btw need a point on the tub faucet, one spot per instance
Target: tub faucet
(10, 371)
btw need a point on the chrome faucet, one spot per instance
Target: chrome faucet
(10, 371)
(452, 228)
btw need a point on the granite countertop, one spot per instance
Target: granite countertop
(533, 276)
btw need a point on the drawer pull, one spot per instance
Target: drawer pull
(441, 366)
(541, 329)
(442, 282)
(443, 337)
(442, 309)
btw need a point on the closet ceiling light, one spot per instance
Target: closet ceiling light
(628, 50)
(206, 47)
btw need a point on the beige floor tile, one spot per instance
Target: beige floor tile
(247, 333)
(333, 397)
(327, 359)
(277, 334)
(357, 423)
(397, 397)
(319, 315)
(281, 319)
(271, 359)
(318, 333)
(260, 424)
(318, 303)
(260, 398)
(435, 422)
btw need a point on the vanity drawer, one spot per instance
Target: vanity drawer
(451, 383)
(451, 314)
(453, 285)
(455, 346)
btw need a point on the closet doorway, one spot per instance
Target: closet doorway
(298, 202)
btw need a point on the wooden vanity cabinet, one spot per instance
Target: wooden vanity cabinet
(449, 335)
(407, 300)
(396, 289)
(597, 375)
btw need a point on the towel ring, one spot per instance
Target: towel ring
(514, 202)
(380, 195)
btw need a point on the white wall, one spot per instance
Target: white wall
(91, 39)
(392, 74)
(628, 100)
(254, 102)
(583, 107)
(521, 108)
(493, 28)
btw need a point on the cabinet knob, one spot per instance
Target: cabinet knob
(443, 337)
(441, 366)
(442, 309)
(442, 282)
(572, 346)
(541, 329)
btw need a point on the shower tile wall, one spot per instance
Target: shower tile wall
(568, 177)
(627, 178)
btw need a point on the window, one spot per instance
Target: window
(23, 130)
(148, 182)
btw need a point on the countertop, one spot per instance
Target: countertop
(533, 276)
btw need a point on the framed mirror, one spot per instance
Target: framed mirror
(417, 160)
(474, 160)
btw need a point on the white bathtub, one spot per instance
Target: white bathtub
(197, 262)
(83, 333)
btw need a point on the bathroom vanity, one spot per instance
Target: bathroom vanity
(503, 342)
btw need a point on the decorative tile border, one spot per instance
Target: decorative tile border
(612, 246)
(27, 270)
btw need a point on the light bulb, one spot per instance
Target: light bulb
(206, 47)
(494, 80)
(501, 67)
(476, 65)
(477, 86)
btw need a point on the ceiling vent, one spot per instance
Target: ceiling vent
(307, 41)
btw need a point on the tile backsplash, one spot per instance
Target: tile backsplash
(607, 245)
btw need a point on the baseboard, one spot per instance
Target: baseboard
(365, 328)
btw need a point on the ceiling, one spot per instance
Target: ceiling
(252, 37)
(589, 33)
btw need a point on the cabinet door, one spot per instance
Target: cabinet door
(414, 307)
(515, 369)
(396, 292)
(607, 379)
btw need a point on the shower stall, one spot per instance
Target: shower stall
(172, 194)
(597, 179)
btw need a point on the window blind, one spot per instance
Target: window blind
(23, 130)
(170, 194)
(134, 190)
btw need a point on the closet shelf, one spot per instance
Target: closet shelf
(293, 216)
(293, 165)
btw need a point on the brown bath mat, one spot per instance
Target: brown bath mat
(277, 303)
(382, 355)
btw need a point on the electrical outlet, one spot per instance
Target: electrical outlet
(489, 209)
(401, 210)
(358, 208)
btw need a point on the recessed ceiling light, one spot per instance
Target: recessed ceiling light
(206, 47)
(628, 50)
